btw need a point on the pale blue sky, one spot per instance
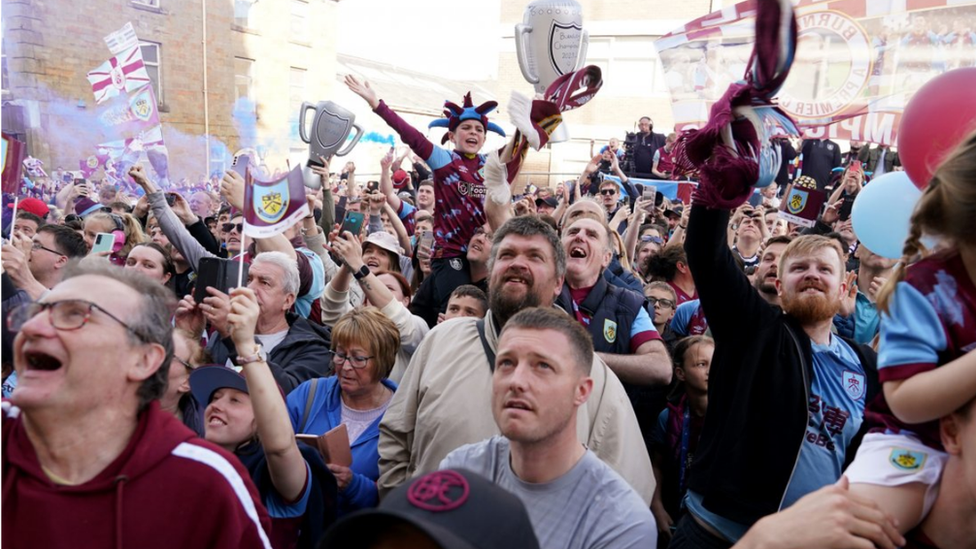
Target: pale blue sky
(449, 38)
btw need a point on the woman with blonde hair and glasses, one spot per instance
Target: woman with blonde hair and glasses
(365, 344)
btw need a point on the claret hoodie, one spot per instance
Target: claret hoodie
(168, 489)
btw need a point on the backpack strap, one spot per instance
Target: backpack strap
(489, 354)
(308, 404)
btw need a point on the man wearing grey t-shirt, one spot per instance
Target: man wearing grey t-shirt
(540, 379)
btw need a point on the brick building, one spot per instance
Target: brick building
(274, 52)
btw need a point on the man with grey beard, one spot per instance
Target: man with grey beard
(444, 398)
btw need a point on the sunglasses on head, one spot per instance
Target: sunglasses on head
(608, 192)
(228, 227)
(654, 239)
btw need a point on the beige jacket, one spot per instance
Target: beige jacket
(444, 401)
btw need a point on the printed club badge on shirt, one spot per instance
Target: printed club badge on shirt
(609, 330)
(853, 384)
(907, 460)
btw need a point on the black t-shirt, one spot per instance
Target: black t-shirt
(820, 157)
(789, 154)
(644, 149)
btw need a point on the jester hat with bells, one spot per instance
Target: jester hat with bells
(454, 115)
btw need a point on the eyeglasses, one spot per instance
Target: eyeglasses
(357, 362)
(608, 192)
(66, 315)
(186, 364)
(651, 238)
(228, 227)
(38, 246)
(664, 303)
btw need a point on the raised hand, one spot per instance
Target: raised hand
(242, 316)
(362, 89)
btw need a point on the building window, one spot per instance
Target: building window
(4, 77)
(147, 3)
(296, 89)
(299, 19)
(242, 13)
(296, 95)
(243, 79)
(218, 159)
(153, 60)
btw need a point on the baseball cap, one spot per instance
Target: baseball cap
(32, 205)
(206, 379)
(384, 240)
(456, 508)
(399, 178)
(675, 212)
(548, 201)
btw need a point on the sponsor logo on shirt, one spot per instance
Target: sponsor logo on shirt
(473, 189)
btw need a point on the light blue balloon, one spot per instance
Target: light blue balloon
(882, 213)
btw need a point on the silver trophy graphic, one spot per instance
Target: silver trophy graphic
(550, 42)
(331, 125)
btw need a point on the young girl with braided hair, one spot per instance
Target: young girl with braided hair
(928, 329)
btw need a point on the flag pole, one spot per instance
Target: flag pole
(13, 220)
(240, 268)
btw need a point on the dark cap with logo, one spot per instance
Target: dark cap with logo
(455, 508)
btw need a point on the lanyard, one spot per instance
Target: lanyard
(580, 317)
(683, 455)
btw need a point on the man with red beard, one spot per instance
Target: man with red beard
(786, 397)
(689, 318)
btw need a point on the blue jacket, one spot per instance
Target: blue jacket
(326, 414)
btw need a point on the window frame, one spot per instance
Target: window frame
(158, 83)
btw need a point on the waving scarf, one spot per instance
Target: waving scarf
(733, 152)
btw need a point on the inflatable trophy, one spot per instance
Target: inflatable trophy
(549, 43)
(331, 125)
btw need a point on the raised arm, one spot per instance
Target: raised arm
(350, 250)
(632, 233)
(408, 134)
(726, 295)
(328, 204)
(285, 462)
(498, 203)
(386, 181)
(399, 229)
(169, 223)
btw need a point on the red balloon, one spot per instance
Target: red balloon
(938, 117)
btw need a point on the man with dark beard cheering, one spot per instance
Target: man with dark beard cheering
(785, 396)
(444, 398)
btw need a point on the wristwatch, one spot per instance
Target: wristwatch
(362, 273)
(258, 356)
